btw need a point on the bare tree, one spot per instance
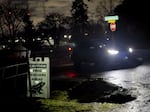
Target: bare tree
(11, 22)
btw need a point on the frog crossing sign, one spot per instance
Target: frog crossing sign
(39, 77)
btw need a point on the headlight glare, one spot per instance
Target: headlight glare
(130, 50)
(112, 51)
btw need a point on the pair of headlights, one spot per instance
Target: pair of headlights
(115, 52)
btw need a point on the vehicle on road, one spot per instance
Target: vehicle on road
(102, 53)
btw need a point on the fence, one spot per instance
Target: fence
(13, 79)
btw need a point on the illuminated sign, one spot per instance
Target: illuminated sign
(113, 26)
(112, 21)
(108, 18)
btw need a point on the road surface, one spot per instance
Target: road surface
(135, 79)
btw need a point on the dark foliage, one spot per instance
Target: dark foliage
(133, 24)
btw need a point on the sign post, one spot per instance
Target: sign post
(112, 21)
(39, 77)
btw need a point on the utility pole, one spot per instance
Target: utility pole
(112, 22)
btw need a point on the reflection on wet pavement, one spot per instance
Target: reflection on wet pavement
(137, 80)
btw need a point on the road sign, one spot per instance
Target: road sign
(113, 26)
(39, 77)
(111, 21)
(107, 18)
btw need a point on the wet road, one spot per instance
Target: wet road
(135, 79)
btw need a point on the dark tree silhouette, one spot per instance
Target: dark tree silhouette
(29, 30)
(80, 19)
(79, 12)
(52, 26)
(134, 22)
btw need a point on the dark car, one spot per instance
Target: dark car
(102, 53)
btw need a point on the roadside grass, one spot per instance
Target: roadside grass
(61, 103)
(49, 105)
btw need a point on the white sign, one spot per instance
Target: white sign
(107, 18)
(39, 77)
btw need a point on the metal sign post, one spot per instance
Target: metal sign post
(112, 24)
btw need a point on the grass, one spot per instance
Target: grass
(61, 103)
(49, 105)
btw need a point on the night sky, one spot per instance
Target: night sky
(60, 6)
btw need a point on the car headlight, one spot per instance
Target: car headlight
(130, 50)
(112, 51)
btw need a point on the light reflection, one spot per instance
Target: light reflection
(124, 78)
(71, 74)
(127, 78)
(117, 77)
